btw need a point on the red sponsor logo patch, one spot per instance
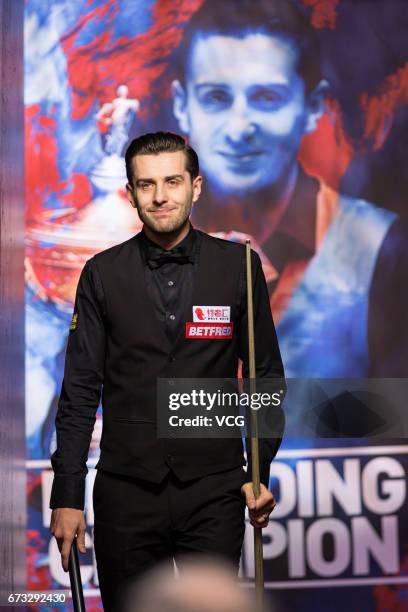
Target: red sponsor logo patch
(211, 314)
(209, 331)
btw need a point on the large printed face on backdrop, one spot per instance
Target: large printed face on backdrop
(245, 109)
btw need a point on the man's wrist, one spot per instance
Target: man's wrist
(264, 474)
(68, 492)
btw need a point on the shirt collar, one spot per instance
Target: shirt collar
(188, 245)
(295, 237)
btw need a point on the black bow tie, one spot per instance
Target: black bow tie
(156, 256)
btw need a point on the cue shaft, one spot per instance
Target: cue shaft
(258, 551)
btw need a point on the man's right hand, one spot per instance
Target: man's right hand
(66, 523)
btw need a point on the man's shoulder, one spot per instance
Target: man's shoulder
(355, 220)
(116, 250)
(361, 207)
(223, 245)
(375, 235)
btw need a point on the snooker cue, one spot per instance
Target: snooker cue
(75, 578)
(258, 552)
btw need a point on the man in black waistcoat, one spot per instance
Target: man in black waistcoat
(157, 498)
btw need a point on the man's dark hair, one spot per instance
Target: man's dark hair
(239, 18)
(161, 142)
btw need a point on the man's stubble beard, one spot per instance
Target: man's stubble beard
(171, 226)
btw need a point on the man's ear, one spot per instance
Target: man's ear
(197, 184)
(316, 105)
(130, 196)
(180, 106)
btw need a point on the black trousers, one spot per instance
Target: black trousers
(139, 524)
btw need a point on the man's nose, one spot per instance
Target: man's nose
(160, 195)
(240, 126)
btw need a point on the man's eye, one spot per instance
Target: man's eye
(215, 99)
(218, 96)
(173, 182)
(145, 186)
(267, 96)
(266, 99)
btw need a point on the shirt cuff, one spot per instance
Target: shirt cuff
(264, 473)
(68, 492)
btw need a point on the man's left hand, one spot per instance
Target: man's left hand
(259, 509)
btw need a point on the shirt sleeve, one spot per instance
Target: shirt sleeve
(388, 302)
(80, 393)
(268, 362)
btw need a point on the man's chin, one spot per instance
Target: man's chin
(236, 187)
(165, 228)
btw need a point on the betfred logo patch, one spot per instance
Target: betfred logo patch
(209, 331)
(209, 314)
